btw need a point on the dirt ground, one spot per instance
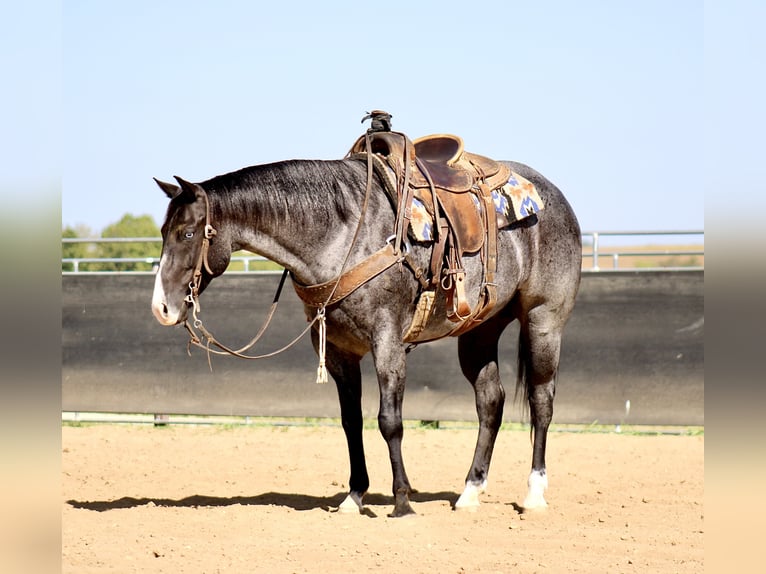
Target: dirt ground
(208, 499)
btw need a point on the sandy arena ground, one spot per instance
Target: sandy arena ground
(208, 499)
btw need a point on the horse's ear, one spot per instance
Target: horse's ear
(170, 189)
(188, 189)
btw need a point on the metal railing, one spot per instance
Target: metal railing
(662, 251)
(602, 251)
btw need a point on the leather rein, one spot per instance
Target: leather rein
(318, 296)
(193, 299)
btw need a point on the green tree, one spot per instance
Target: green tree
(130, 226)
(75, 250)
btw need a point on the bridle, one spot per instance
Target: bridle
(208, 234)
(323, 294)
(192, 298)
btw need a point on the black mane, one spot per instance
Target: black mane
(289, 189)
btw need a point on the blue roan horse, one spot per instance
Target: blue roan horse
(304, 214)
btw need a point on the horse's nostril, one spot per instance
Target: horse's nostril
(161, 311)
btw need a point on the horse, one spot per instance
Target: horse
(305, 215)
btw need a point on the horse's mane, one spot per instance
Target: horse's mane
(312, 190)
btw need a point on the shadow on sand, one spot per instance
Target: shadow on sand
(288, 500)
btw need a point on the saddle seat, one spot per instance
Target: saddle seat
(452, 168)
(453, 172)
(439, 148)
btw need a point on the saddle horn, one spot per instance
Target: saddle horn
(381, 121)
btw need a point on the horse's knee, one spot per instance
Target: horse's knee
(490, 400)
(541, 403)
(542, 394)
(491, 391)
(390, 426)
(538, 362)
(484, 376)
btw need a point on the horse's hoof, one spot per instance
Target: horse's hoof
(402, 505)
(534, 504)
(461, 507)
(401, 512)
(351, 505)
(538, 483)
(469, 499)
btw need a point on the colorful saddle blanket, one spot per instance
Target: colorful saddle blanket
(514, 201)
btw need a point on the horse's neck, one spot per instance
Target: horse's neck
(312, 237)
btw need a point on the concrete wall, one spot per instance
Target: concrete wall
(634, 336)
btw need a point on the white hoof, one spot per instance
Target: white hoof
(538, 483)
(352, 504)
(534, 501)
(469, 500)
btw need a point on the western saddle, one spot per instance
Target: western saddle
(456, 188)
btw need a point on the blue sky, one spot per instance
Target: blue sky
(608, 99)
(605, 98)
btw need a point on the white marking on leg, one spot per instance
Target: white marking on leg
(469, 500)
(352, 504)
(537, 483)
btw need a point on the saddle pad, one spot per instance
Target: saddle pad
(514, 201)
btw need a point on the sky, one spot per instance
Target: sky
(607, 99)
(604, 98)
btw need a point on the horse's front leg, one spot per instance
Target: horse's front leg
(389, 358)
(345, 371)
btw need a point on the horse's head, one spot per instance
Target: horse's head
(192, 252)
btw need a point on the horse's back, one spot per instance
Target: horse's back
(552, 243)
(560, 215)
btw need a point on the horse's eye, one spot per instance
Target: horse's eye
(189, 234)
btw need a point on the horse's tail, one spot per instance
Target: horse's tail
(521, 395)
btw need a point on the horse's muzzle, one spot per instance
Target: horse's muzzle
(167, 316)
(162, 314)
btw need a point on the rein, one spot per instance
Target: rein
(195, 339)
(193, 299)
(329, 292)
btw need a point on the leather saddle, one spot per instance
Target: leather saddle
(453, 171)
(455, 186)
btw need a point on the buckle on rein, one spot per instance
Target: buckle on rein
(193, 297)
(405, 245)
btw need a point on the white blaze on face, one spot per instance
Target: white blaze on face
(162, 311)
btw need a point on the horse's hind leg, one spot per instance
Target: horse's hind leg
(539, 350)
(346, 372)
(477, 350)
